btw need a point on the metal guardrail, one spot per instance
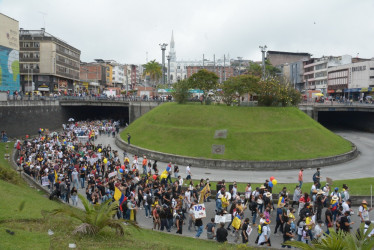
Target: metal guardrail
(83, 98)
(337, 104)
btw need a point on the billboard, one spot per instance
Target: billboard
(9, 54)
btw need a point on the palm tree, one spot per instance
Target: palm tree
(340, 241)
(95, 217)
(154, 70)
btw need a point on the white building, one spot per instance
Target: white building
(118, 76)
(315, 70)
(178, 68)
(352, 80)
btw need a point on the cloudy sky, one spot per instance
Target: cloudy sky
(126, 30)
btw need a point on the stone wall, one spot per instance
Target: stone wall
(237, 165)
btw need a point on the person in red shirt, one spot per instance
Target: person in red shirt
(145, 162)
(301, 177)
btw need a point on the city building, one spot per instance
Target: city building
(222, 72)
(277, 58)
(93, 77)
(315, 71)
(47, 63)
(118, 77)
(353, 81)
(9, 54)
(178, 68)
(294, 72)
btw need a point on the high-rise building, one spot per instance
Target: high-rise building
(47, 63)
(9, 54)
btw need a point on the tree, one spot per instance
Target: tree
(204, 80)
(95, 217)
(340, 241)
(154, 70)
(256, 69)
(236, 87)
(181, 91)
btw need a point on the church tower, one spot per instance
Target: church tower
(173, 56)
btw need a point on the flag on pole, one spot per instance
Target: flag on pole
(204, 193)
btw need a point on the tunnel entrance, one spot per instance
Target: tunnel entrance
(347, 120)
(83, 113)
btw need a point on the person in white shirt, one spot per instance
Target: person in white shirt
(346, 205)
(188, 172)
(265, 235)
(180, 181)
(363, 211)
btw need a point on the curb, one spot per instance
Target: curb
(236, 164)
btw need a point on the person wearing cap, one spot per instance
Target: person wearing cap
(363, 211)
(265, 234)
(337, 194)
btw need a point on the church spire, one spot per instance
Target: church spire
(172, 40)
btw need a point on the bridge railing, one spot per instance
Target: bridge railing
(84, 98)
(339, 104)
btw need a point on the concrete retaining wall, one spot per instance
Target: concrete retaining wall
(237, 165)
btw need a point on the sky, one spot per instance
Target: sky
(126, 31)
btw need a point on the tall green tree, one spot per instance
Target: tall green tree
(270, 71)
(181, 91)
(154, 70)
(204, 80)
(238, 86)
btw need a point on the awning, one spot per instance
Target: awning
(94, 84)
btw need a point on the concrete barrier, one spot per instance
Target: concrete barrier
(235, 164)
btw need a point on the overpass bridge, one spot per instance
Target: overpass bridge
(20, 117)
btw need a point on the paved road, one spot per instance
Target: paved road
(357, 168)
(360, 167)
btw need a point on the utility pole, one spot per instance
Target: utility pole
(214, 63)
(263, 50)
(168, 57)
(224, 67)
(203, 61)
(163, 48)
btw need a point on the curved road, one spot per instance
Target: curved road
(358, 168)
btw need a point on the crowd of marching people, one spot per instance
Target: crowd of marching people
(69, 162)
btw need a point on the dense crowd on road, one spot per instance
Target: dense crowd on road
(69, 162)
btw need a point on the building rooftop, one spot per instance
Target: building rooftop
(289, 53)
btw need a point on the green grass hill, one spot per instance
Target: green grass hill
(254, 133)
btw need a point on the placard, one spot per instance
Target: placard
(112, 174)
(45, 181)
(199, 211)
(329, 181)
(224, 218)
(249, 230)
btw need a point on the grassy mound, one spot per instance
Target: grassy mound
(257, 133)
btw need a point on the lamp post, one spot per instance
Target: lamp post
(168, 57)
(263, 50)
(240, 64)
(163, 48)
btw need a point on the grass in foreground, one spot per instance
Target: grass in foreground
(256, 133)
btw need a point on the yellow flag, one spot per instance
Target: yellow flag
(117, 194)
(204, 193)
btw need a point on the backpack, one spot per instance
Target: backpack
(342, 195)
(149, 199)
(315, 177)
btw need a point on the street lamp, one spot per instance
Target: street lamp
(263, 50)
(240, 64)
(163, 48)
(168, 57)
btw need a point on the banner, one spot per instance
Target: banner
(199, 211)
(45, 181)
(224, 218)
(112, 174)
(204, 193)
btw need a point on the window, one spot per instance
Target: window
(26, 55)
(371, 77)
(36, 44)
